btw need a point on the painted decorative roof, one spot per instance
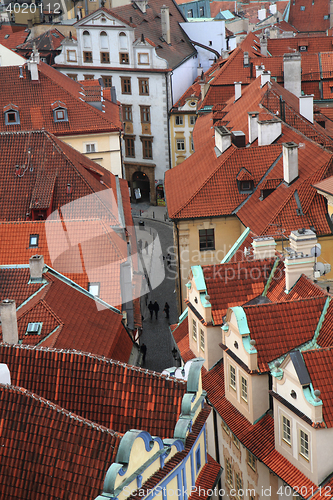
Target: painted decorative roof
(108, 392)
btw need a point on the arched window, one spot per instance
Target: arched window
(104, 40)
(86, 40)
(122, 41)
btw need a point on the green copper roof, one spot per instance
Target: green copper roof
(243, 327)
(199, 278)
(235, 246)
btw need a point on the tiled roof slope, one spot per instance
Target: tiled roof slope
(70, 318)
(34, 101)
(275, 334)
(48, 452)
(302, 289)
(107, 392)
(319, 365)
(311, 16)
(325, 334)
(258, 438)
(11, 36)
(180, 334)
(39, 153)
(149, 24)
(235, 283)
(315, 44)
(50, 40)
(206, 480)
(326, 185)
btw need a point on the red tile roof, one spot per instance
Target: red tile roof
(48, 451)
(308, 16)
(235, 283)
(11, 36)
(34, 100)
(275, 334)
(314, 44)
(48, 41)
(304, 288)
(206, 480)
(326, 185)
(107, 392)
(180, 334)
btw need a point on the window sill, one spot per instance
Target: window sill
(286, 442)
(303, 456)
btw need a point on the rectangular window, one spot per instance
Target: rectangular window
(147, 148)
(87, 57)
(244, 388)
(143, 86)
(235, 441)
(73, 77)
(71, 55)
(225, 428)
(191, 141)
(129, 147)
(202, 340)
(33, 240)
(228, 472)
(105, 57)
(90, 148)
(123, 58)
(198, 459)
(145, 114)
(180, 144)
(286, 430)
(201, 11)
(88, 77)
(190, 13)
(206, 239)
(107, 81)
(239, 485)
(93, 288)
(126, 85)
(179, 120)
(192, 119)
(304, 444)
(34, 329)
(232, 377)
(143, 58)
(251, 460)
(127, 113)
(194, 329)
(12, 117)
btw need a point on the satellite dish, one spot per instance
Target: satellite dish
(319, 267)
(316, 250)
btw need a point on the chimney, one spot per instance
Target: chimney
(306, 106)
(238, 138)
(165, 21)
(33, 64)
(9, 321)
(290, 161)
(36, 263)
(331, 13)
(4, 374)
(253, 125)
(292, 73)
(202, 84)
(29, 21)
(263, 45)
(238, 90)
(261, 14)
(265, 77)
(247, 59)
(264, 248)
(268, 131)
(272, 8)
(299, 260)
(222, 140)
(259, 70)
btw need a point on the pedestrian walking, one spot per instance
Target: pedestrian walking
(156, 309)
(151, 309)
(144, 352)
(168, 260)
(166, 310)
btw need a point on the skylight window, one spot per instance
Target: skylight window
(93, 288)
(34, 329)
(33, 240)
(302, 7)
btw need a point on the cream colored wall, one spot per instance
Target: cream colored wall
(10, 58)
(227, 231)
(107, 149)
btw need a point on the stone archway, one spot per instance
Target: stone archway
(134, 177)
(141, 186)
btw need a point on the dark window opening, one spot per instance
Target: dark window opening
(206, 239)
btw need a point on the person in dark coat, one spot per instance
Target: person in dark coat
(166, 310)
(151, 309)
(156, 308)
(144, 352)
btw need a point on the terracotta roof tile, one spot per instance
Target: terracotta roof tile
(206, 480)
(305, 15)
(274, 334)
(107, 392)
(11, 35)
(50, 452)
(48, 41)
(303, 288)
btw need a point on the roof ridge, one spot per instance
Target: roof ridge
(286, 302)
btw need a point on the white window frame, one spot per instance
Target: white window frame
(284, 424)
(33, 237)
(251, 460)
(232, 377)
(70, 54)
(180, 144)
(302, 444)
(180, 120)
(202, 339)
(229, 474)
(192, 119)
(94, 289)
(89, 148)
(32, 330)
(194, 329)
(244, 393)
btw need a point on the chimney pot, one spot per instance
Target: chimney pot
(165, 22)
(265, 77)
(264, 248)
(290, 161)
(259, 70)
(9, 321)
(222, 139)
(253, 125)
(36, 263)
(263, 46)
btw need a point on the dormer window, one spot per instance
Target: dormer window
(59, 112)
(12, 116)
(34, 329)
(246, 185)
